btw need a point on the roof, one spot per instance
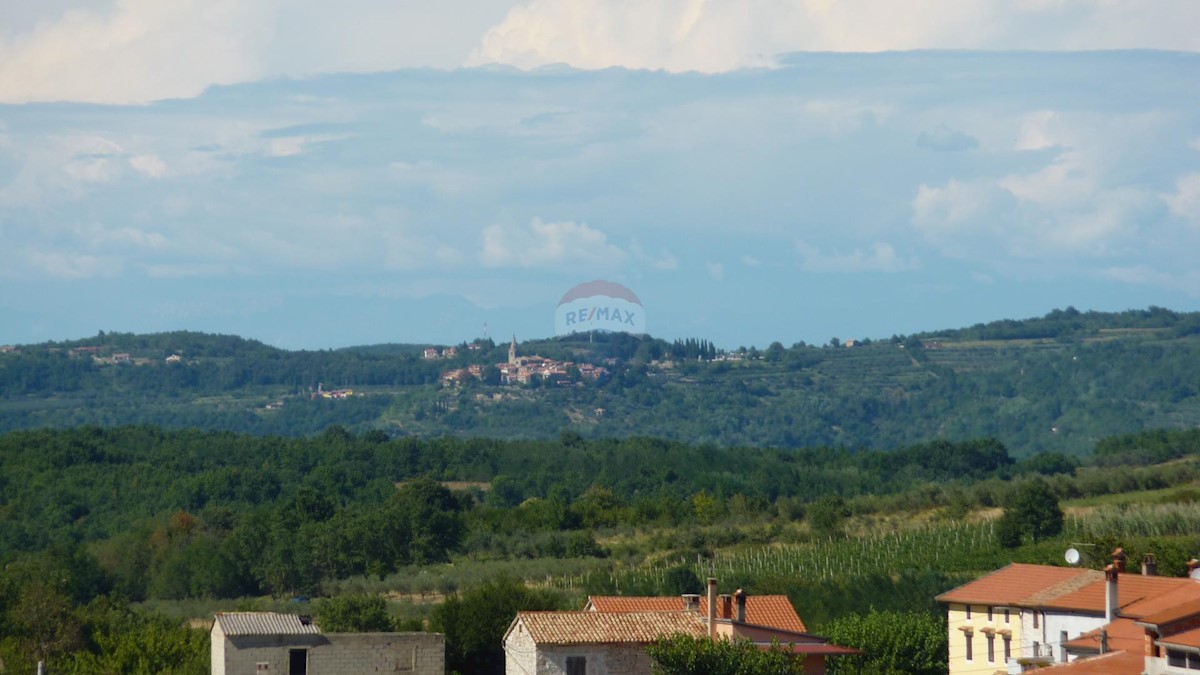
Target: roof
(769, 611)
(264, 623)
(575, 628)
(1188, 638)
(1123, 635)
(1017, 584)
(1112, 663)
(1169, 608)
(1131, 588)
(815, 648)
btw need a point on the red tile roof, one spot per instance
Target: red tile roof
(1123, 635)
(1019, 584)
(1170, 607)
(1131, 589)
(770, 611)
(1188, 638)
(1113, 663)
(575, 628)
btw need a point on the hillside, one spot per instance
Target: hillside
(1058, 382)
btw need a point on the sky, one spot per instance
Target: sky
(320, 175)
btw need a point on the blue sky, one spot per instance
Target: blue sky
(755, 171)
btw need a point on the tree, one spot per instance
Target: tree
(1033, 511)
(687, 655)
(826, 515)
(353, 614)
(474, 623)
(893, 643)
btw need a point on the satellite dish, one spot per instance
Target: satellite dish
(1072, 556)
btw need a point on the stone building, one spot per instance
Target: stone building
(266, 643)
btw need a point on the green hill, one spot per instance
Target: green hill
(1059, 382)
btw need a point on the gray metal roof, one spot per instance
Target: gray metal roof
(264, 623)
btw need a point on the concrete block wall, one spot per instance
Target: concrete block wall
(333, 654)
(619, 659)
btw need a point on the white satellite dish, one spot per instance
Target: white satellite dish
(1072, 556)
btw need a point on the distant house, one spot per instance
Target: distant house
(174, 358)
(266, 643)
(611, 634)
(450, 352)
(121, 358)
(431, 353)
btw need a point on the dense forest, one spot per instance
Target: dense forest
(1055, 383)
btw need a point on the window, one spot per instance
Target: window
(576, 665)
(970, 646)
(1007, 648)
(1062, 646)
(1006, 616)
(1176, 658)
(1037, 647)
(297, 662)
(968, 612)
(1035, 619)
(989, 613)
(991, 639)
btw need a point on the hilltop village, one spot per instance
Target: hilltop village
(521, 369)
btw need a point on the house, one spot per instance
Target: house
(1033, 616)
(431, 353)
(266, 643)
(610, 635)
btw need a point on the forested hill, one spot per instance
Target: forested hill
(1058, 382)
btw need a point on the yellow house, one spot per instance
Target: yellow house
(985, 616)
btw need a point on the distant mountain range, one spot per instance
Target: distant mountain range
(1054, 383)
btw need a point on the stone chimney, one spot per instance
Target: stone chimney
(1110, 592)
(1149, 565)
(1119, 558)
(712, 608)
(739, 599)
(691, 602)
(725, 606)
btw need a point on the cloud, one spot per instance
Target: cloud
(882, 257)
(150, 166)
(945, 139)
(1185, 201)
(723, 35)
(1074, 202)
(751, 261)
(716, 270)
(548, 245)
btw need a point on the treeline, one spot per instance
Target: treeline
(204, 514)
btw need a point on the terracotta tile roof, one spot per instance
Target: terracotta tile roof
(1168, 607)
(575, 628)
(1015, 584)
(1131, 588)
(1188, 638)
(770, 611)
(1123, 635)
(264, 623)
(1113, 663)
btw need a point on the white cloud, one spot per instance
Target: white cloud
(751, 261)
(882, 257)
(944, 139)
(1185, 201)
(150, 166)
(548, 244)
(721, 35)
(716, 270)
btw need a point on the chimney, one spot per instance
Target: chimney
(1149, 565)
(1110, 593)
(1119, 557)
(1193, 566)
(725, 606)
(712, 608)
(691, 602)
(739, 599)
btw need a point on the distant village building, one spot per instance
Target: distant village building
(266, 643)
(431, 353)
(524, 369)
